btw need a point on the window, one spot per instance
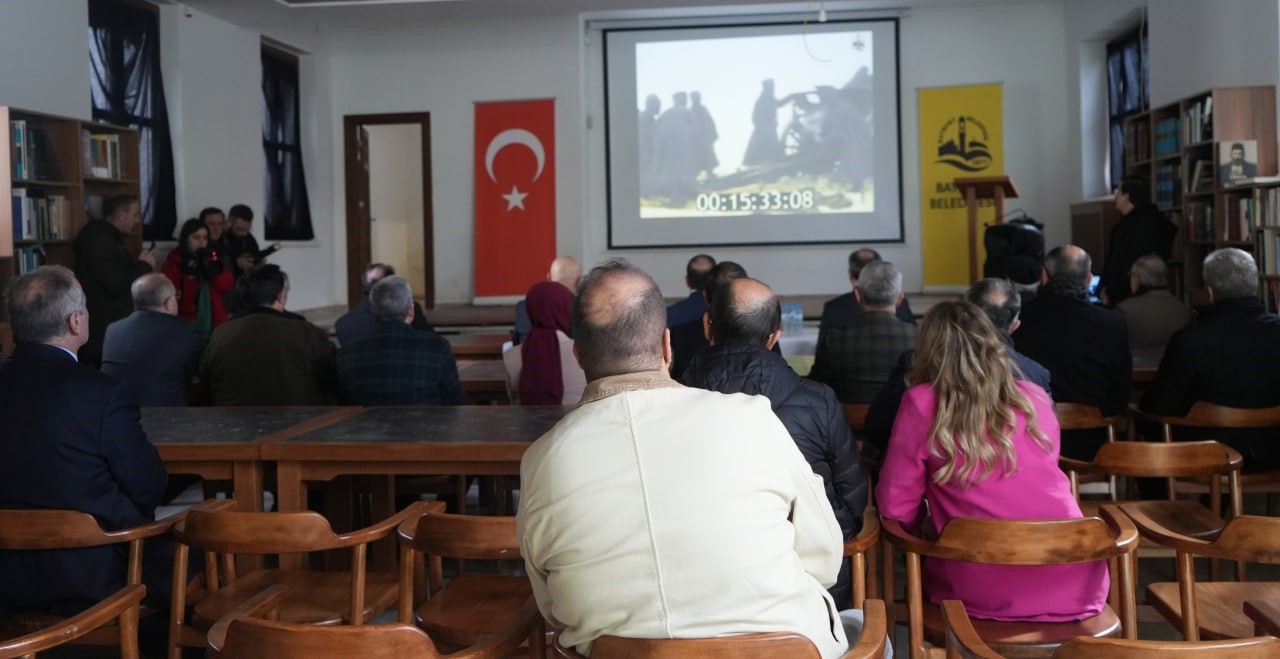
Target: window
(287, 211)
(1127, 90)
(124, 78)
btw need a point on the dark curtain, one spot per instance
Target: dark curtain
(1127, 91)
(288, 213)
(124, 77)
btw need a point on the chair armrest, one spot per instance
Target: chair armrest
(875, 633)
(1126, 532)
(897, 536)
(163, 526)
(500, 643)
(385, 527)
(1078, 466)
(1265, 616)
(867, 536)
(254, 607)
(1160, 534)
(1140, 414)
(960, 632)
(76, 626)
(210, 505)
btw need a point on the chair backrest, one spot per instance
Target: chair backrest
(50, 529)
(1047, 542)
(1161, 460)
(254, 638)
(1075, 416)
(855, 415)
(230, 532)
(1116, 648)
(466, 536)
(1246, 538)
(1210, 415)
(745, 646)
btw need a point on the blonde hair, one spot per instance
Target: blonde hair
(960, 353)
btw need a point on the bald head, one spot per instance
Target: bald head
(152, 292)
(696, 271)
(619, 320)
(566, 270)
(1068, 264)
(746, 312)
(999, 300)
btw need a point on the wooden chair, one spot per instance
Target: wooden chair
(250, 632)
(1209, 415)
(861, 550)
(744, 646)
(963, 642)
(1167, 460)
(1077, 416)
(37, 530)
(117, 608)
(1006, 542)
(1265, 617)
(1212, 610)
(473, 606)
(320, 598)
(856, 415)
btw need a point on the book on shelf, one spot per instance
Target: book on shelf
(32, 152)
(101, 155)
(37, 216)
(1197, 121)
(1199, 223)
(1167, 136)
(29, 258)
(1201, 176)
(1268, 242)
(1168, 189)
(1137, 141)
(1239, 219)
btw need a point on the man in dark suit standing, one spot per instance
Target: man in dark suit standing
(152, 351)
(360, 321)
(71, 439)
(106, 269)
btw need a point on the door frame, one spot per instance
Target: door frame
(357, 262)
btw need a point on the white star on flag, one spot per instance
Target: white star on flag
(515, 199)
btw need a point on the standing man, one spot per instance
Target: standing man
(107, 270)
(746, 543)
(1143, 230)
(153, 351)
(71, 439)
(242, 247)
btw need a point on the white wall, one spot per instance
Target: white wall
(44, 56)
(395, 199)
(442, 67)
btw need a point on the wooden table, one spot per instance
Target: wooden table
(485, 380)
(222, 443)
(477, 346)
(392, 441)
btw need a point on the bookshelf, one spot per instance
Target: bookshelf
(1173, 147)
(59, 171)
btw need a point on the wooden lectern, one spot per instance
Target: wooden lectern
(983, 187)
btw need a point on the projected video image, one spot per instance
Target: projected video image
(757, 125)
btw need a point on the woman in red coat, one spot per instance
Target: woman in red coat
(199, 277)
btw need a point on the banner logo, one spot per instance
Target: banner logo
(963, 144)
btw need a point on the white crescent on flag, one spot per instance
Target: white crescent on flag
(509, 137)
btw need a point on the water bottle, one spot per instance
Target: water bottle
(792, 318)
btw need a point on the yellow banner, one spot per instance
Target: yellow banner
(961, 134)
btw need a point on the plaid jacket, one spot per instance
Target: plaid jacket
(398, 365)
(856, 360)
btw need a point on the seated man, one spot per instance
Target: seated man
(658, 511)
(842, 310)
(152, 351)
(689, 339)
(268, 356)
(1084, 346)
(1152, 314)
(71, 440)
(999, 299)
(360, 321)
(396, 364)
(856, 360)
(1227, 356)
(746, 321)
(695, 277)
(566, 271)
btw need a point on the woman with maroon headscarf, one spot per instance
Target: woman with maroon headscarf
(542, 369)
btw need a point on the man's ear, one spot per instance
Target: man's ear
(773, 339)
(1017, 322)
(706, 328)
(1044, 277)
(1209, 290)
(898, 302)
(857, 294)
(666, 350)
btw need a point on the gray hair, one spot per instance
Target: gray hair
(391, 298)
(41, 301)
(997, 298)
(1231, 273)
(619, 318)
(150, 291)
(880, 283)
(1150, 271)
(1063, 266)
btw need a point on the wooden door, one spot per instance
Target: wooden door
(359, 247)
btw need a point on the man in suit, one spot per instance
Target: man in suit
(1228, 356)
(1152, 313)
(1142, 230)
(695, 277)
(152, 351)
(844, 309)
(1084, 346)
(71, 439)
(360, 321)
(107, 270)
(856, 360)
(999, 299)
(566, 271)
(268, 356)
(397, 365)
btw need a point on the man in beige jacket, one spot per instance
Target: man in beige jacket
(660, 511)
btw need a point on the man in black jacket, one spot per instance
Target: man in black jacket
(745, 323)
(843, 310)
(1230, 356)
(1143, 230)
(106, 270)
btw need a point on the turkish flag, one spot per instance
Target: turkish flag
(515, 184)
